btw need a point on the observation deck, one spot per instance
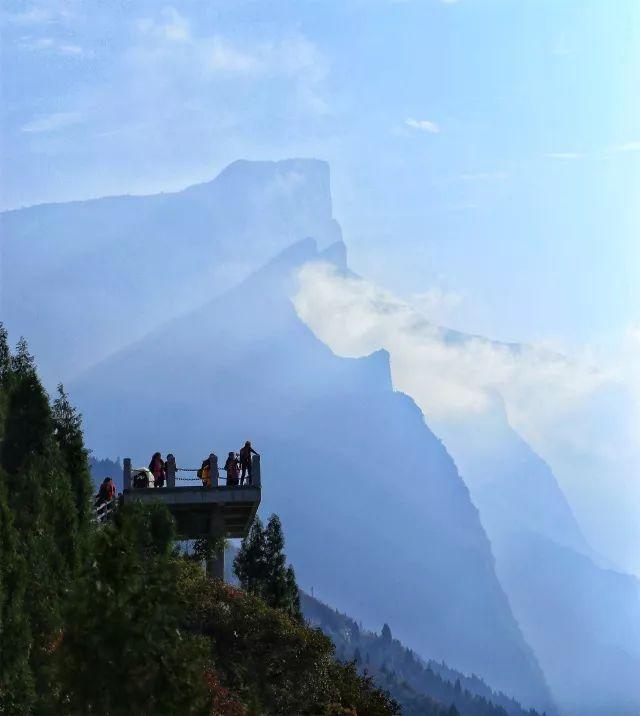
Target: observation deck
(225, 511)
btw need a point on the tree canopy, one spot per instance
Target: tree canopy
(261, 567)
(111, 620)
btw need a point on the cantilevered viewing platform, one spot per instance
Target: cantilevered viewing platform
(225, 511)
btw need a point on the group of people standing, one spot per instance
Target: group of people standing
(237, 467)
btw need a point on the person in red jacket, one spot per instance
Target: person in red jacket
(110, 489)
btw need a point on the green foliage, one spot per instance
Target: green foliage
(249, 564)
(111, 621)
(275, 664)
(124, 652)
(422, 689)
(206, 548)
(17, 687)
(68, 434)
(5, 355)
(262, 570)
(27, 427)
(41, 541)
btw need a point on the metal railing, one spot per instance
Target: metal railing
(103, 510)
(214, 472)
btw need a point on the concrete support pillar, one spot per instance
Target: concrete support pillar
(255, 471)
(126, 473)
(215, 475)
(215, 564)
(171, 470)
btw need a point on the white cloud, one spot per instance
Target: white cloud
(33, 16)
(172, 26)
(446, 374)
(172, 38)
(40, 13)
(565, 155)
(484, 176)
(633, 146)
(423, 125)
(174, 53)
(436, 304)
(52, 122)
(69, 49)
(584, 420)
(224, 57)
(561, 50)
(50, 44)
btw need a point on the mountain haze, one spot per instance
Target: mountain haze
(172, 323)
(83, 279)
(373, 503)
(581, 616)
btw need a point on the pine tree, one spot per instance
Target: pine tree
(123, 650)
(5, 356)
(17, 687)
(28, 416)
(249, 564)
(280, 587)
(68, 433)
(40, 530)
(262, 570)
(386, 635)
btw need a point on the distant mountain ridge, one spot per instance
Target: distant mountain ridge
(96, 284)
(84, 279)
(582, 619)
(330, 431)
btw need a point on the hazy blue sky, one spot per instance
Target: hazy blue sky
(485, 151)
(484, 158)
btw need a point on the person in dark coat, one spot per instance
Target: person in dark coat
(232, 466)
(158, 468)
(245, 461)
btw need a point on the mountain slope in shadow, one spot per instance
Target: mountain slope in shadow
(374, 506)
(581, 617)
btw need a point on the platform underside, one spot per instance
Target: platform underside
(201, 511)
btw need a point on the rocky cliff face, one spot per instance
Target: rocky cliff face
(84, 279)
(582, 618)
(375, 511)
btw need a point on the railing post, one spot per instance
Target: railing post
(213, 466)
(126, 473)
(255, 471)
(171, 470)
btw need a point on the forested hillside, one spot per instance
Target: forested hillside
(112, 620)
(412, 681)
